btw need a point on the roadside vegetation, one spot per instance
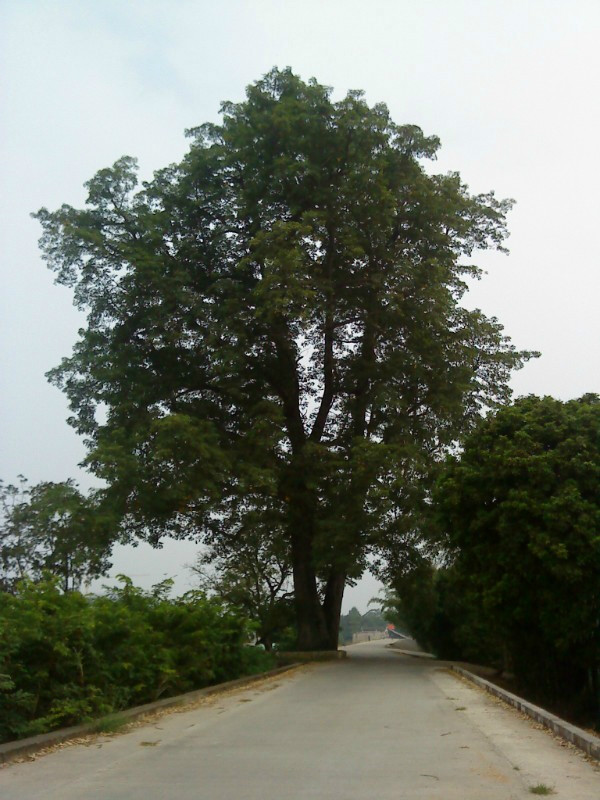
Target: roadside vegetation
(515, 582)
(67, 658)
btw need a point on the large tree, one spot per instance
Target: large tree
(274, 330)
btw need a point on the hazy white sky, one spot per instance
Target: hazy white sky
(510, 87)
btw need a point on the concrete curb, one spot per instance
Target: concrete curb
(577, 736)
(413, 653)
(22, 747)
(308, 656)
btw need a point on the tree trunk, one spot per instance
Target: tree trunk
(317, 624)
(310, 619)
(332, 606)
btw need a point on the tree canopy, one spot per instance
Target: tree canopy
(275, 336)
(521, 509)
(52, 527)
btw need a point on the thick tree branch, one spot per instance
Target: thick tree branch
(328, 395)
(283, 378)
(328, 381)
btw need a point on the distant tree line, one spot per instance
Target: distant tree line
(355, 622)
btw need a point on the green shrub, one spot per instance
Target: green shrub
(67, 658)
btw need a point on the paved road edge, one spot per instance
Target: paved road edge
(577, 736)
(23, 747)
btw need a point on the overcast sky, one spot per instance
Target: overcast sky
(511, 88)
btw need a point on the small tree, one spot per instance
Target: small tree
(254, 576)
(51, 527)
(390, 607)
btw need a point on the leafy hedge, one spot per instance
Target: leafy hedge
(67, 657)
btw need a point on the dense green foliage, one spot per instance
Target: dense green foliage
(66, 657)
(275, 336)
(52, 527)
(440, 609)
(521, 510)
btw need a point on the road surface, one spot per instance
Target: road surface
(377, 726)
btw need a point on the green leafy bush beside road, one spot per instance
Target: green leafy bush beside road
(66, 657)
(520, 509)
(518, 513)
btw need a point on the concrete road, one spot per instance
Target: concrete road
(377, 726)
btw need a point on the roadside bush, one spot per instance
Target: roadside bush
(520, 508)
(67, 658)
(445, 617)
